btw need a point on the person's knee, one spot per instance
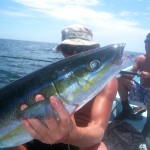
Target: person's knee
(120, 81)
(123, 82)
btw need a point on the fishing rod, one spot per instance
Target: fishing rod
(129, 72)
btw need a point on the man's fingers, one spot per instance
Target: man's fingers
(39, 98)
(23, 107)
(58, 106)
(61, 110)
(30, 129)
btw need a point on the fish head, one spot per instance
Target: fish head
(89, 72)
(100, 58)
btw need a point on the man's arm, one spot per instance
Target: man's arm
(144, 74)
(137, 64)
(93, 133)
(66, 131)
(135, 67)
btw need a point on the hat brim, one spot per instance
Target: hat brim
(79, 42)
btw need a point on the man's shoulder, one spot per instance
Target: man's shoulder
(141, 57)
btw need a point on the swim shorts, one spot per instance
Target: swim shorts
(139, 95)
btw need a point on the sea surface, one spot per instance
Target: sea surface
(19, 58)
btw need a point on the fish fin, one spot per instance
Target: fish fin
(41, 110)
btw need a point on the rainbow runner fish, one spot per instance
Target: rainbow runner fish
(75, 80)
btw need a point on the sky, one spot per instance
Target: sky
(111, 21)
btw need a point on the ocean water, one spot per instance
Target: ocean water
(19, 58)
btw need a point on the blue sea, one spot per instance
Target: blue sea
(19, 58)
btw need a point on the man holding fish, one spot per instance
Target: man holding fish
(86, 127)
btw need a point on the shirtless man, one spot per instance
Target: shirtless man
(141, 65)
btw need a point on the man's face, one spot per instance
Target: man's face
(67, 53)
(69, 50)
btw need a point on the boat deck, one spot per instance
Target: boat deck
(137, 124)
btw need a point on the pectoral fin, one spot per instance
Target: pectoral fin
(43, 109)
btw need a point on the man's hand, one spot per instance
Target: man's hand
(144, 74)
(51, 131)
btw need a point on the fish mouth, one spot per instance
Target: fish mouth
(118, 58)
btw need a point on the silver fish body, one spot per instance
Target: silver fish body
(75, 80)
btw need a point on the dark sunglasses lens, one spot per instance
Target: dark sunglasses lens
(70, 49)
(67, 50)
(82, 49)
(147, 41)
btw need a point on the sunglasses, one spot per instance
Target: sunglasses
(67, 49)
(147, 41)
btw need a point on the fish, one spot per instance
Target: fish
(74, 80)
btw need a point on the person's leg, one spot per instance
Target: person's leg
(148, 105)
(146, 129)
(124, 86)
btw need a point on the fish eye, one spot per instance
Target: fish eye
(94, 65)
